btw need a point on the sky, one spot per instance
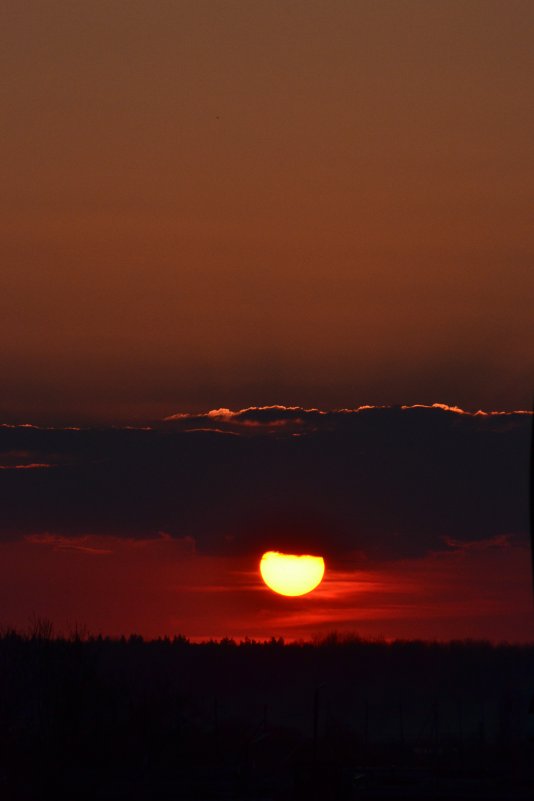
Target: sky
(262, 264)
(420, 513)
(235, 204)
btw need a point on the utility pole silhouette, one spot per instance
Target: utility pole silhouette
(315, 724)
(314, 766)
(216, 733)
(401, 722)
(366, 728)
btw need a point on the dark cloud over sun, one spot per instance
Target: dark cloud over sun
(380, 482)
(407, 500)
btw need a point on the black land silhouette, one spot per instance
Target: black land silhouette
(95, 718)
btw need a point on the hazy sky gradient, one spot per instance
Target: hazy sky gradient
(233, 203)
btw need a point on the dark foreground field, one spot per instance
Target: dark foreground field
(92, 718)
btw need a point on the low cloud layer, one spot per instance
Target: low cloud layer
(296, 419)
(371, 484)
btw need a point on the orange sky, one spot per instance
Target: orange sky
(225, 204)
(213, 204)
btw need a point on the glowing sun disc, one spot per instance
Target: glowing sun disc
(288, 574)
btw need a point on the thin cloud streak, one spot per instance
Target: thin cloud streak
(34, 466)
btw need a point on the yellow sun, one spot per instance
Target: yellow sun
(289, 574)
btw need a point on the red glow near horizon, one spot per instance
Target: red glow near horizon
(480, 593)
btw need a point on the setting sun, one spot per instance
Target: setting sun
(289, 574)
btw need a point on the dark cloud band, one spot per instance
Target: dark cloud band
(373, 483)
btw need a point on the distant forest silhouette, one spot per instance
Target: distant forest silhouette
(95, 717)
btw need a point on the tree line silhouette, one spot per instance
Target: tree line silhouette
(102, 718)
